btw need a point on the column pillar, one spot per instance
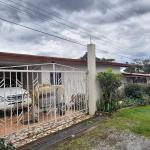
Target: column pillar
(92, 85)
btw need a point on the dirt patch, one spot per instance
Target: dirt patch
(121, 140)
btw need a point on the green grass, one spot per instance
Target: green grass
(136, 120)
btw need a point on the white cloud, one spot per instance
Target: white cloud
(126, 34)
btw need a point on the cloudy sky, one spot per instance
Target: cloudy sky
(117, 27)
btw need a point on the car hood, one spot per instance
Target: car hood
(4, 92)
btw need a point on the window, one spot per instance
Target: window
(58, 78)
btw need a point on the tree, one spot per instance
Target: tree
(109, 83)
(84, 57)
(140, 66)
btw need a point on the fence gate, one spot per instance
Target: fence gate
(36, 100)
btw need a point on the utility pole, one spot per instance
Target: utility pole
(92, 84)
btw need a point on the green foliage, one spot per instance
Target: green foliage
(147, 90)
(144, 68)
(128, 102)
(109, 83)
(4, 146)
(134, 91)
(84, 57)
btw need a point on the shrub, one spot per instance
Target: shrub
(146, 99)
(147, 90)
(134, 91)
(127, 102)
(4, 146)
(109, 83)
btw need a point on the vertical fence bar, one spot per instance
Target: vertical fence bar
(37, 94)
(86, 88)
(50, 99)
(41, 92)
(81, 92)
(46, 97)
(11, 109)
(28, 97)
(73, 94)
(72, 90)
(54, 82)
(17, 99)
(33, 93)
(23, 97)
(4, 104)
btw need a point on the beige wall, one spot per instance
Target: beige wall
(46, 76)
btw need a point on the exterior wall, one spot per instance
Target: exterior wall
(46, 76)
(100, 68)
(148, 80)
(130, 80)
(73, 82)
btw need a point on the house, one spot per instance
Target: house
(48, 88)
(12, 59)
(136, 78)
(45, 63)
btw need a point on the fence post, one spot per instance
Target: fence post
(92, 88)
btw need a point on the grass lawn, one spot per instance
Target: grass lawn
(136, 120)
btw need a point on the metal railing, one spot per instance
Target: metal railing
(32, 97)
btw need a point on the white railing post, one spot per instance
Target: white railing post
(54, 82)
(92, 88)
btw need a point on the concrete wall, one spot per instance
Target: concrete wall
(100, 68)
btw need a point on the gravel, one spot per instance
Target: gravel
(119, 140)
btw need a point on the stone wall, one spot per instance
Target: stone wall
(33, 133)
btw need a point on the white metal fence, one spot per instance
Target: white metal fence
(35, 94)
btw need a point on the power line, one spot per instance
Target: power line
(36, 30)
(115, 54)
(24, 12)
(46, 15)
(37, 10)
(72, 27)
(75, 42)
(29, 13)
(49, 34)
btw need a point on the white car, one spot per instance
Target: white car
(14, 98)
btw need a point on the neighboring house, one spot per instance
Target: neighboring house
(136, 78)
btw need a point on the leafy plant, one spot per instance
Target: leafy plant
(109, 83)
(147, 90)
(134, 91)
(4, 146)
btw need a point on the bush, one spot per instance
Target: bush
(146, 99)
(147, 90)
(134, 91)
(4, 146)
(127, 102)
(109, 83)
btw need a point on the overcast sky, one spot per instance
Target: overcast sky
(120, 27)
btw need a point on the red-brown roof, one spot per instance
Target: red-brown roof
(27, 59)
(135, 74)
